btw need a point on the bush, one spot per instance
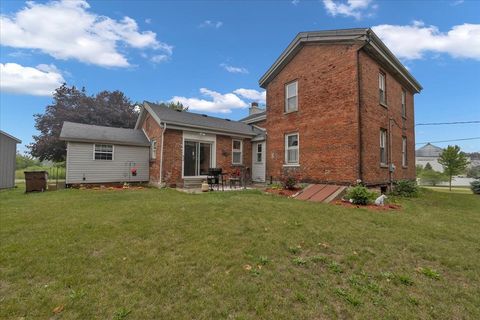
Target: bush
(432, 177)
(475, 186)
(405, 188)
(289, 182)
(360, 195)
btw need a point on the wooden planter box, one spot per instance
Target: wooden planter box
(36, 181)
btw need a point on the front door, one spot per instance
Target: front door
(258, 161)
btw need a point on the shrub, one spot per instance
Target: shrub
(360, 195)
(289, 182)
(432, 177)
(475, 186)
(405, 188)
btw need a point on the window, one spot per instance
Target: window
(404, 103)
(237, 151)
(381, 88)
(291, 97)
(103, 152)
(259, 153)
(291, 148)
(404, 151)
(153, 149)
(383, 146)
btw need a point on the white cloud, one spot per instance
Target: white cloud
(211, 24)
(457, 2)
(413, 41)
(233, 69)
(66, 29)
(251, 94)
(39, 81)
(349, 8)
(218, 103)
(295, 2)
(160, 58)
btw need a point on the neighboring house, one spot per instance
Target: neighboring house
(97, 154)
(429, 154)
(8, 152)
(340, 108)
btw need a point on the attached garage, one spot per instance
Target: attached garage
(97, 154)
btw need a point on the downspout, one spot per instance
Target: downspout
(390, 155)
(359, 120)
(161, 154)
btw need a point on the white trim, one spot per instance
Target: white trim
(106, 144)
(238, 150)
(252, 120)
(295, 82)
(286, 163)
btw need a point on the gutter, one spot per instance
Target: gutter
(359, 101)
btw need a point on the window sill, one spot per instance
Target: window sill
(237, 164)
(382, 165)
(405, 167)
(292, 165)
(384, 105)
(292, 111)
(404, 117)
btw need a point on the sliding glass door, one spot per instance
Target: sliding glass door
(197, 158)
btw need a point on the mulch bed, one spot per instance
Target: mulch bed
(283, 192)
(386, 207)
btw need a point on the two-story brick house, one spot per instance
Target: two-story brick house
(339, 109)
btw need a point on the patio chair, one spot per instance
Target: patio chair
(235, 179)
(215, 178)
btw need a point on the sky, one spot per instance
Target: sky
(209, 55)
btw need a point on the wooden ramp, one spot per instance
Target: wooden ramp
(321, 193)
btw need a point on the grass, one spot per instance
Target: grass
(143, 254)
(464, 190)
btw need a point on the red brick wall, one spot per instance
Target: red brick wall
(326, 119)
(376, 116)
(224, 154)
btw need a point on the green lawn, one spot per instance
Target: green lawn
(465, 190)
(162, 254)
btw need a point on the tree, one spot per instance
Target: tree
(432, 177)
(25, 161)
(173, 105)
(106, 108)
(474, 172)
(453, 161)
(428, 166)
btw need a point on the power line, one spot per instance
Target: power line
(442, 123)
(474, 138)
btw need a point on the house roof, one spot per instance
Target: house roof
(199, 121)
(372, 42)
(253, 117)
(429, 150)
(89, 133)
(10, 136)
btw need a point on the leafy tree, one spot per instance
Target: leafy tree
(25, 161)
(419, 169)
(106, 108)
(428, 166)
(432, 177)
(453, 161)
(474, 172)
(174, 105)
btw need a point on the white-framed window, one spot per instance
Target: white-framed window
(404, 103)
(383, 146)
(291, 96)
(404, 151)
(103, 152)
(259, 153)
(291, 148)
(381, 88)
(153, 149)
(237, 150)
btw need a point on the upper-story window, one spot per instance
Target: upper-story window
(404, 151)
(291, 148)
(291, 96)
(383, 147)
(404, 103)
(237, 151)
(103, 152)
(381, 88)
(153, 149)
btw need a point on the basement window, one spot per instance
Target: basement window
(103, 152)
(381, 88)
(383, 147)
(291, 97)
(237, 148)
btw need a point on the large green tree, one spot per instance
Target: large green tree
(106, 108)
(453, 161)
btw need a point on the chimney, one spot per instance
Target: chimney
(255, 109)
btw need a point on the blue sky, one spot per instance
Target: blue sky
(210, 54)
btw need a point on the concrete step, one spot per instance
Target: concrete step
(192, 183)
